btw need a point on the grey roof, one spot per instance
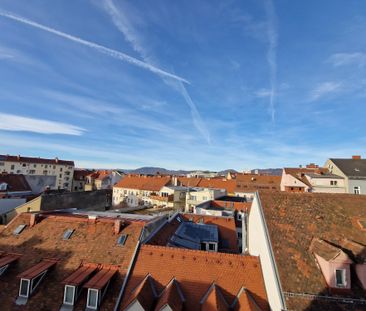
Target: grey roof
(312, 175)
(190, 235)
(351, 167)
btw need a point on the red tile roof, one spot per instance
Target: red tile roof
(80, 275)
(21, 159)
(195, 271)
(15, 182)
(214, 300)
(216, 183)
(171, 296)
(254, 182)
(148, 183)
(80, 174)
(35, 270)
(245, 301)
(293, 220)
(144, 293)
(93, 241)
(102, 277)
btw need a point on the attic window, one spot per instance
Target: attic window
(179, 219)
(340, 277)
(19, 229)
(122, 240)
(67, 234)
(92, 298)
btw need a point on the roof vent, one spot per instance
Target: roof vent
(92, 217)
(356, 157)
(117, 226)
(67, 234)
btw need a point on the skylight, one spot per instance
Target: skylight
(19, 229)
(122, 240)
(67, 234)
(179, 220)
(362, 223)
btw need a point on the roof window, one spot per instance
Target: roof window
(122, 239)
(97, 287)
(31, 278)
(6, 260)
(67, 234)
(19, 229)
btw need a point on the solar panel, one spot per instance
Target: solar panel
(67, 234)
(122, 239)
(19, 229)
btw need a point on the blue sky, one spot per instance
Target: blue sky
(183, 84)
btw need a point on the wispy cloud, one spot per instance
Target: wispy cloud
(263, 93)
(122, 22)
(342, 59)
(324, 89)
(110, 52)
(272, 36)
(10, 122)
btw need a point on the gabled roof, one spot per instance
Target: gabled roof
(21, 159)
(144, 294)
(171, 296)
(245, 301)
(215, 183)
(80, 174)
(293, 220)
(148, 183)
(15, 183)
(214, 300)
(327, 251)
(195, 271)
(351, 167)
(357, 251)
(300, 172)
(92, 242)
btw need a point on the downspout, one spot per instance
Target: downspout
(244, 233)
(133, 259)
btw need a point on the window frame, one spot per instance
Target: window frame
(356, 190)
(73, 295)
(28, 288)
(343, 276)
(96, 300)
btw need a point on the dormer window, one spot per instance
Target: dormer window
(3, 186)
(19, 229)
(97, 287)
(31, 278)
(74, 282)
(340, 276)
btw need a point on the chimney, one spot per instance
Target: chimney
(33, 219)
(356, 157)
(92, 218)
(56, 159)
(312, 165)
(117, 226)
(18, 157)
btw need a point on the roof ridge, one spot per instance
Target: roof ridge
(200, 252)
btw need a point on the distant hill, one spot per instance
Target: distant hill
(147, 170)
(224, 172)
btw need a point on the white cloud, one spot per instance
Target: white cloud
(98, 47)
(342, 59)
(263, 93)
(325, 88)
(16, 123)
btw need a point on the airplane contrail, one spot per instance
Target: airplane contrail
(98, 47)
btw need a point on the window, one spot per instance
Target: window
(24, 165)
(2, 164)
(67, 234)
(122, 239)
(34, 165)
(32, 171)
(24, 288)
(60, 169)
(238, 216)
(341, 278)
(12, 166)
(19, 229)
(333, 183)
(45, 172)
(240, 235)
(211, 246)
(357, 190)
(92, 298)
(69, 295)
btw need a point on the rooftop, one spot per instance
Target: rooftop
(293, 220)
(93, 241)
(196, 272)
(15, 183)
(149, 183)
(351, 167)
(18, 158)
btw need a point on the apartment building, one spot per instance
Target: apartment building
(102, 179)
(198, 195)
(352, 170)
(135, 190)
(61, 169)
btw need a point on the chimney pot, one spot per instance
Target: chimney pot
(117, 226)
(33, 219)
(356, 157)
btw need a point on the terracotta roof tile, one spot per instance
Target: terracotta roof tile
(254, 182)
(245, 301)
(15, 182)
(144, 182)
(91, 242)
(293, 220)
(144, 293)
(214, 300)
(195, 271)
(171, 296)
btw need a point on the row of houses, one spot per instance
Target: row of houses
(295, 252)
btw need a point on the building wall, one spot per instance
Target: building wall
(324, 185)
(78, 185)
(336, 171)
(357, 182)
(288, 182)
(31, 206)
(361, 274)
(194, 198)
(63, 173)
(259, 245)
(39, 183)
